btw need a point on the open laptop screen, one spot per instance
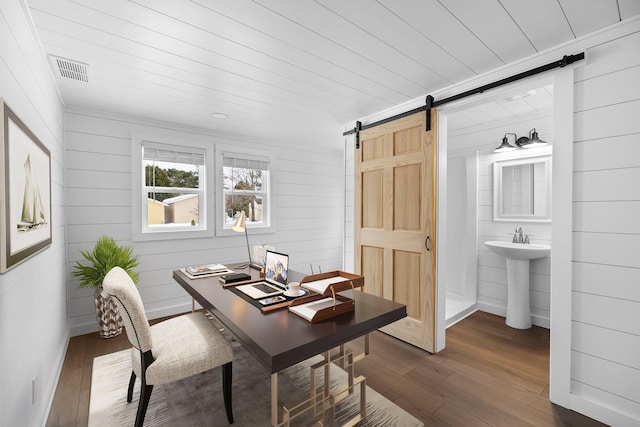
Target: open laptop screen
(276, 268)
(275, 277)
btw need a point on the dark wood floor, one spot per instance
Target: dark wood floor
(488, 375)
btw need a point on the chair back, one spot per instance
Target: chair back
(121, 288)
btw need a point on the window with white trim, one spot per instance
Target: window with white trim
(246, 187)
(170, 192)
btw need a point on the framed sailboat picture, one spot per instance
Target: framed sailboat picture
(25, 192)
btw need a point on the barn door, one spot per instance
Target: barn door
(395, 221)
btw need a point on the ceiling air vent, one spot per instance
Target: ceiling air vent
(68, 69)
(520, 95)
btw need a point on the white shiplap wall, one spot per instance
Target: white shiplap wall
(33, 327)
(605, 366)
(308, 186)
(492, 269)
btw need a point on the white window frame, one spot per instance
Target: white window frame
(268, 225)
(140, 229)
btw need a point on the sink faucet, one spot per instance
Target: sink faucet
(517, 236)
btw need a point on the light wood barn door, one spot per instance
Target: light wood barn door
(395, 222)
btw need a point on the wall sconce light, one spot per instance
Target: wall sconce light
(505, 146)
(532, 141)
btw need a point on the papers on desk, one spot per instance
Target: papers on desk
(325, 300)
(321, 286)
(310, 310)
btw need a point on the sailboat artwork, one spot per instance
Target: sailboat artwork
(33, 216)
(25, 192)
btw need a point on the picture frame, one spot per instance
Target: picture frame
(25, 192)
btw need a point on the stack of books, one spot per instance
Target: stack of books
(202, 270)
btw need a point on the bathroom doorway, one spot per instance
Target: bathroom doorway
(469, 277)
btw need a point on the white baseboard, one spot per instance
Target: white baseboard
(462, 315)
(602, 413)
(543, 322)
(62, 353)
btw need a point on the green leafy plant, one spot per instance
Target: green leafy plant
(106, 255)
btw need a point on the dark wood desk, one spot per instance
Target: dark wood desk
(279, 339)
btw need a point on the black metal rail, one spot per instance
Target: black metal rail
(431, 103)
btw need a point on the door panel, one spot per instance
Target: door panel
(407, 197)
(373, 216)
(373, 269)
(406, 270)
(394, 215)
(374, 149)
(407, 140)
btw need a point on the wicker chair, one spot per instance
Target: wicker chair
(170, 350)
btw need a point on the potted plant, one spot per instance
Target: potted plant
(105, 255)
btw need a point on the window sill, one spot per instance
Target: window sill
(250, 231)
(171, 235)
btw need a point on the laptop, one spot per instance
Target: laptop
(276, 269)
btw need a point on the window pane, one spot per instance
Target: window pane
(252, 205)
(243, 178)
(245, 187)
(181, 209)
(170, 195)
(171, 174)
(167, 206)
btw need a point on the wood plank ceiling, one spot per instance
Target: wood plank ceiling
(295, 70)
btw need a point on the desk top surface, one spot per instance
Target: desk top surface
(280, 339)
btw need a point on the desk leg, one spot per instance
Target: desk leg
(327, 374)
(323, 399)
(274, 399)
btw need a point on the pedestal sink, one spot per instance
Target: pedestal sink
(518, 257)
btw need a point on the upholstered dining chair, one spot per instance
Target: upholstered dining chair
(168, 351)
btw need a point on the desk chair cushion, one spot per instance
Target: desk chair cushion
(184, 346)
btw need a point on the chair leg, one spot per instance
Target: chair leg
(145, 395)
(132, 382)
(227, 374)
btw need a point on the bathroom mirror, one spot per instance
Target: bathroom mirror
(522, 189)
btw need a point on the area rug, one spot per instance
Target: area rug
(197, 401)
